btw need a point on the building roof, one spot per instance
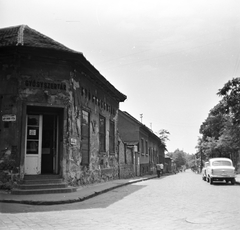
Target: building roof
(141, 125)
(24, 36)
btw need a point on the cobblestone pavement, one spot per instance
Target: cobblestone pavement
(181, 201)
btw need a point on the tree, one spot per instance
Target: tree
(179, 158)
(214, 123)
(221, 130)
(230, 94)
(163, 135)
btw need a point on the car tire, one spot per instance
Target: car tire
(210, 180)
(233, 181)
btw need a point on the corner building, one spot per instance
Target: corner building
(58, 113)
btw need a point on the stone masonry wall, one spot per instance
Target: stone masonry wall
(126, 166)
(39, 82)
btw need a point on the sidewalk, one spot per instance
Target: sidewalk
(82, 193)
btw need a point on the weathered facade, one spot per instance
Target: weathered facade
(58, 113)
(126, 160)
(148, 149)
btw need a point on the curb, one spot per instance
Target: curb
(79, 199)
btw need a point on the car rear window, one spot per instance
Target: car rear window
(221, 163)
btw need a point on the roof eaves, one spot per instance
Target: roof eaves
(131, 117)
(140, 124)
(24, 36)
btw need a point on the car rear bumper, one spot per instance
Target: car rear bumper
(225, 177)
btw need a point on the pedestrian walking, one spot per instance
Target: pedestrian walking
(158, 170)
(161, 168)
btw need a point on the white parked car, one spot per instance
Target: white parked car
(220, 169)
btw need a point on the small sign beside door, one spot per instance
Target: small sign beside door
(73, 141)
(8, 117)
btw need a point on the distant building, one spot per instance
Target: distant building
(58, 113)
(148, 149)
(168, 164)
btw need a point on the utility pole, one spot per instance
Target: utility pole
(201, 156)
(141, 116)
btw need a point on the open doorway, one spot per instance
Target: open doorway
(43, 130)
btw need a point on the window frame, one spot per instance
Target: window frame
(102, 134)
(111, 137)
(85, 160)
(142, 146)
(146, 147)
(125, 153)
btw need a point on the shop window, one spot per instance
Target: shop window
(85, 127)
(102, 134)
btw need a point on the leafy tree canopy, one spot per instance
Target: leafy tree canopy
(221, 130)
(163, 134)
(213, 125)
(230, 94)
(179, 157)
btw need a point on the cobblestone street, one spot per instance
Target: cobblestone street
(181, 201)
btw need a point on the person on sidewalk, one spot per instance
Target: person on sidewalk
(161, 168)
(158, 170)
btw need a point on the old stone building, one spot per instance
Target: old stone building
(127, 163)
(58, 113)
(147, 147)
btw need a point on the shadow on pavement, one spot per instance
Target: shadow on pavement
(101, 201)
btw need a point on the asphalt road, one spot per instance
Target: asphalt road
(175, 202)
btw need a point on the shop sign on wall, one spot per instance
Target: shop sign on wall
(45, 85)
(9, 117)
(73, 141)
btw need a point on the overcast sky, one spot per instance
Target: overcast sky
(169, 57)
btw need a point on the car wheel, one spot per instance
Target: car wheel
(233, 181)
(207, 179)
(210, 180)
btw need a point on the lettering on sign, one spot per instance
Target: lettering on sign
(32, 132)
(45, 85)
(9, 117)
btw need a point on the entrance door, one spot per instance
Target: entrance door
(41, 156)
(49, 132)
(33, 144)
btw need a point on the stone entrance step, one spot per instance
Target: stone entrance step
(42, 184)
